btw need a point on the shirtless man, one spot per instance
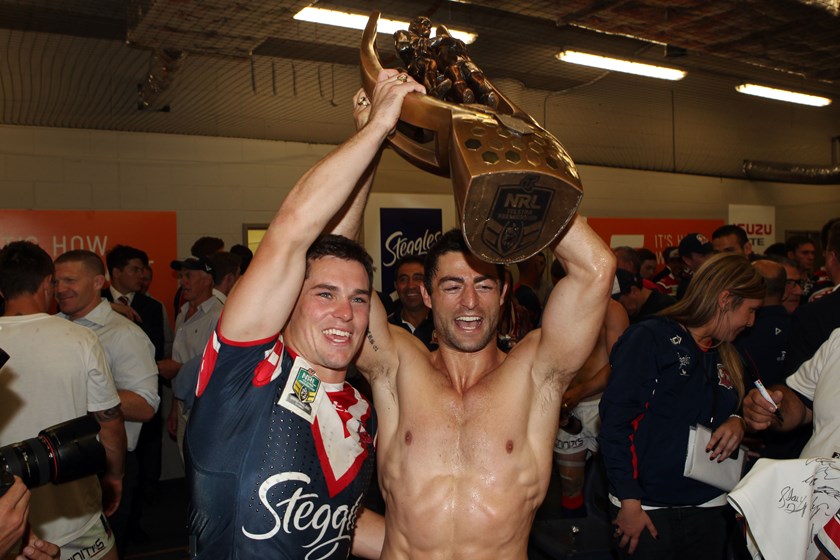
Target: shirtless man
(582, 399)
(466, 432)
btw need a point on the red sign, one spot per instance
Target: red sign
(58, 231)
(653, 234)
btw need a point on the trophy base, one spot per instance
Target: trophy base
(508, 217)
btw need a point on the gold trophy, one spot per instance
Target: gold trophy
(515, 185)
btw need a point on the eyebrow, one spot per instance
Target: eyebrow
(332, 288)
(460, 280)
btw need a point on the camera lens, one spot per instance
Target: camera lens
(61, 453)
(29, 459)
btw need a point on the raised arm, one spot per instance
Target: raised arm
(575, 309)
(262, 301)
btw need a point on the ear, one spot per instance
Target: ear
(427, 299)
(98, 281)
(747, 248)
(504, 291)
(723, 300)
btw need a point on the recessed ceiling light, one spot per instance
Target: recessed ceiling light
(359, 21)
(620, 65)
(783, 95)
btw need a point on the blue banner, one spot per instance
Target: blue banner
(405, 231)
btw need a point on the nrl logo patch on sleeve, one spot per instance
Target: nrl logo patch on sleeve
(303, 391)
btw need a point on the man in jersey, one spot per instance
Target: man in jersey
(466, 432)
(279, 448)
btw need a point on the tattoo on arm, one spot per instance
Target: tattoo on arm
(114, 413)
(372, 341)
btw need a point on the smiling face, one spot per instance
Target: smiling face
(466, 301)
(330, 318)
(77, 288)
(408, 282)
(732, 321)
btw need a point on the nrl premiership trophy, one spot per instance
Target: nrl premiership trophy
(515, 185)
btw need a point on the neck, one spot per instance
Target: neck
(702, 336)
(120, 288)
(29, 304)
(414, 316)
(465, 369)
(84, 312)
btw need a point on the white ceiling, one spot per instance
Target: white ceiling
(249, 70)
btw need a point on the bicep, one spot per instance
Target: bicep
(262, 301)
(378, 350)
(571, 322)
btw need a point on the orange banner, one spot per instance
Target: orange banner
(57, 231)
(653, 234)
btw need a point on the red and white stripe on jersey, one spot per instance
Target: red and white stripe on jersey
(828, 539)
(208, 363)
(340, 436)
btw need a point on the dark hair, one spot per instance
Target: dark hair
(223, 263)
(23, 267)
(776, 250)
(832, 239)
(331, 245)
(119, 256)
(451, 242)
(407, 259)
(645, 254)
(245, 254)
(629, 255)
(796, 241)
(204, 246)
(91, 260)
(824, 233)
(732, 229)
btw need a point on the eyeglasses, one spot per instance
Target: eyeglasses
(800, 283)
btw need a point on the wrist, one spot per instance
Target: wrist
(741, 419)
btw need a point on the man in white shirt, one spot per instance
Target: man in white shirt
(195, 323)
(57, 372)
(79, 277)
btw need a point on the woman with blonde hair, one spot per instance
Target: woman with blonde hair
(669, 373)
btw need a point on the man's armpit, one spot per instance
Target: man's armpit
(109, 415)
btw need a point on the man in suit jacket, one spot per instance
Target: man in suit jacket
(125, 266)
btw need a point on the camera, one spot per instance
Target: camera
(61, 453)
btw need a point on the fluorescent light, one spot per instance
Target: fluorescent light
(783, 95)
(358, 21)
(620, 65)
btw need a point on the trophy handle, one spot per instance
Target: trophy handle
(420, 111)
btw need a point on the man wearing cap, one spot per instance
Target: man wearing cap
(195, 322)
(639, 301)
(695, 248)
(668, 279)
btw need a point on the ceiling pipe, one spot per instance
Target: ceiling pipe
(795, 173)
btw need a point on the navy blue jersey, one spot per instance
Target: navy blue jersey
(661, 384)
(265, 482)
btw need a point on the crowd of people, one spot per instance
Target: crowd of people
(297, 387)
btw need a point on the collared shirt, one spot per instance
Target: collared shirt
(130, 355)
(115, 294)
(191, 335)
(220, 295)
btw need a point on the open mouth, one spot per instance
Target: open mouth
(468, 322)
(337, 335)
